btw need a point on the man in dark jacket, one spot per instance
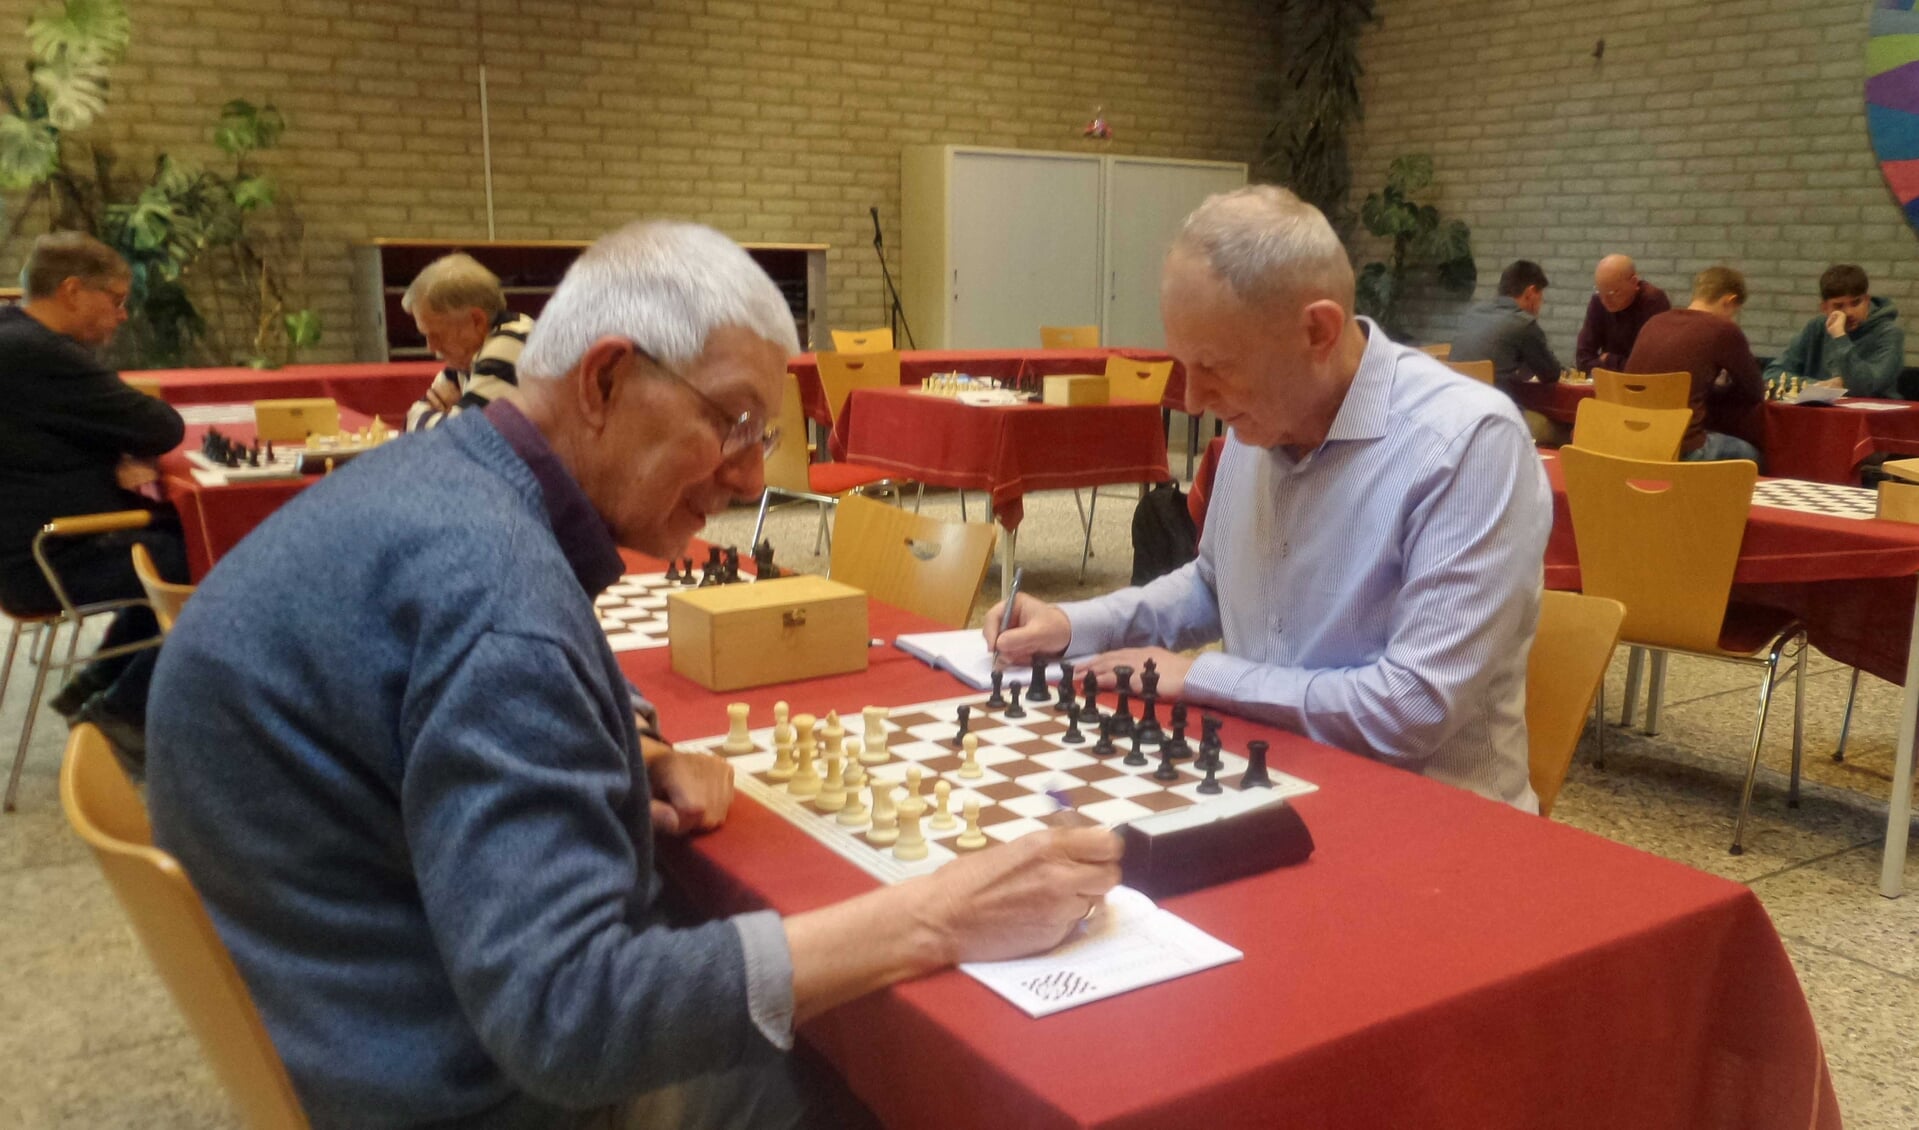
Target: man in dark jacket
(71, 440)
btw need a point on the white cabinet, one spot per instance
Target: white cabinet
(998, 242)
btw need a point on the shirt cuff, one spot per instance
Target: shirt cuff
(1094, 627)
(1218, 679)
(769, 975)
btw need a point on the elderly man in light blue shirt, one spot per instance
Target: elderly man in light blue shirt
(1372, 555)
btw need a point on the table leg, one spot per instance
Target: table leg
(1655, 692)
(1892, 868)
(1192, 444)
(1008, 550)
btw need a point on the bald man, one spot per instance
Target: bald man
(1622, 302)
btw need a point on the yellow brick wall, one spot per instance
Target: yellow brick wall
(773, 121)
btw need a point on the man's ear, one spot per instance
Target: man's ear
(68, 292)
(480, 320)
(596, 379)
(1324, 321)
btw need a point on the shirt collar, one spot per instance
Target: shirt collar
(1366, 411)
(584, 537)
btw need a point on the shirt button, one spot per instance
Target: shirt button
(1285, 548)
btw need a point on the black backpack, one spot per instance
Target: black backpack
(1164, 537)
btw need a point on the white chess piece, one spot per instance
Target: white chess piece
(972, 839)
(875, 736)
(912, 800)
(783, 764)
(969, 769)
(912, 842)
(832, 796)
(782, 730)
(806, 775)
(885, 827)
(835, 733)
(942, 797)
(737, 739)
(854, 814)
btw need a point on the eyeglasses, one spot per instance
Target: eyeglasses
(738, 434)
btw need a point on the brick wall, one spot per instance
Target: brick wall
(1730, 131)
(773, 121)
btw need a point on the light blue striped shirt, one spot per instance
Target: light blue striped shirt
(1379, 594)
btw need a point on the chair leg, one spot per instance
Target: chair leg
(1758, 739)
(1599, 727)
(32, 708)
(822, 537)
(1635, 662)
(1798, 722)
(1845, 726)
(6, 669)
(962, 495)
(1655, 692)
(1086, 549)
(1192, 444)
(919, 496)
(73, 641)
(766, 499)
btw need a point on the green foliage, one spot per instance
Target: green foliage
(1421, 240)
(185, 230)
(1318, 86)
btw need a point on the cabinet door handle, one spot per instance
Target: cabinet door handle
(956, 284)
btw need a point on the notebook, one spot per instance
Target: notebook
(963, 654)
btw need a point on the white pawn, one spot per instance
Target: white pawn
(912, 842)
(737, 739)
(875, 736)
(969, 769)
(942, 796)
(806, 775)
(912, 800)
(783, 765)
(832, 796)
(972, 839)
(782, 731)
(885, 827)
(854, 814)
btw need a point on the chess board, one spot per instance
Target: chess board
(1021, 761)
(1816, 498)
(632, 611)
(285, 464)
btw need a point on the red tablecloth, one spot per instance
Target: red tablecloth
(385, 390)
(1004, 364)
(1851, 581)
(1442, 961)
(1005, 451)
(213, 519)
(1826, 444)
(1558, 401)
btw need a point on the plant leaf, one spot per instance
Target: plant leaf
(252, 193)
(75, 90)
(303, 328)
(29, 152)
(96, 31)
(1410, 172)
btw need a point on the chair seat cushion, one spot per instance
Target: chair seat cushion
(1749, 627)
(838, 478)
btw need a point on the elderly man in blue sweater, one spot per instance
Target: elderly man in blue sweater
(420, 800)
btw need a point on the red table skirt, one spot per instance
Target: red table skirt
(1003, 364)
(1442, 961)
(1004, 451)
(1852, 582)
(385, 390)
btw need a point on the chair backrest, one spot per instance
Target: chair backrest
(1141, 381)
(841, 373)
(1481, 371)
(786, 467)
(911, 561)
(1660, 538)
(1898, 502)
(146, 386)
(1628, 432)
(878, 340)
(1069, 337)
(1442, 351)
(174, 929)
(1571, 651)
(165, 596)
(1643, 390)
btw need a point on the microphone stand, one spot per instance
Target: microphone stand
(896, 316)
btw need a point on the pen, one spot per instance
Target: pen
(1006, 614)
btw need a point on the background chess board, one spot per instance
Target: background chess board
(1021, 760)
(1816, 498)
(632, 610)
(285, 464)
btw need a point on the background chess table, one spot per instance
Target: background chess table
(1816, 498)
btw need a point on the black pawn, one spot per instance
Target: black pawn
(1013, 708)
(673, 572)
(686, 573)
(1089, 697)
(732, 565)
(1104, 746)
(1256, 777)
(997, 700)
(1065, 686)
(1072, 736)
(1137, 755)
(1167, 771)
(1149, 718)
(1036, 689)
(269, 451)
(965, 724)
(1211, 784)
(1123, 706)
(1180, 747)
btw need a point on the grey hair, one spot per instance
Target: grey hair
(665, 284)
(1266, 243)
(452, 283)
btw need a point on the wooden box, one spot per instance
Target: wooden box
(748, 635)
(1071, 390)
(293, 420)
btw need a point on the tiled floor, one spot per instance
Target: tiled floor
(90, 1040)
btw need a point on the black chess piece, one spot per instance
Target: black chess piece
(1149, 679)
(687, 576)
(1256, 776)
(1104, 746)
(1211, 784)
(1089, 697)
(1036, 688)
(763, 567)
(997, 700)
(965, 724)
(1167, 771)
(1122, 705)
(1065, 689)
(1013, 709)
(1149, 717)
(673, 572)
(1209, 740)
(269, 451)
(732, 560)
(1136, 755)
(1072, 736)
(1180, 747)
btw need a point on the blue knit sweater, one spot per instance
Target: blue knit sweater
(393, 751)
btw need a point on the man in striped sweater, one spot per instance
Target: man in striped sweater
(458, 306)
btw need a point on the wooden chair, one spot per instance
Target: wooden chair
(178, 936)
(1631, 433)
(166, 597)
(1127, 381)
(790, 474)
(841, 373)
(1643, 390)
(921, 564)
(1442, 351)
(1481, 371)
(1663, 539)
(1565, 673)
(71, 616)
(878, 340)
(1898, 502)
(1069, 337)
(146, 386)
